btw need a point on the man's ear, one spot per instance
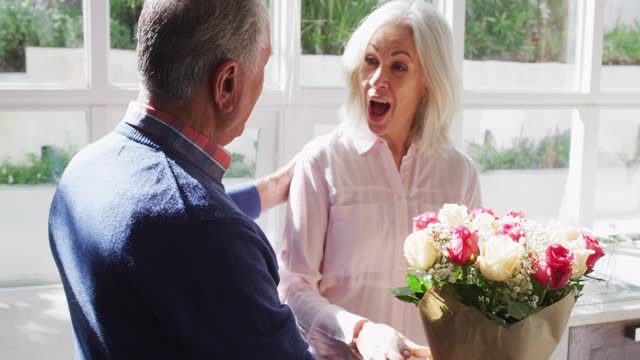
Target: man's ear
(224, 82)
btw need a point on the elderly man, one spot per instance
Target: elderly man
(157, 261)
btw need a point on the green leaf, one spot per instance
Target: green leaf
(519, 310)
(402, 291)
(496, 319)
(414, 283)
(424, 286)
(409, 299)
(594, 278)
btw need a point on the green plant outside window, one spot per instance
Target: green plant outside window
(37, 23)
(549, 152)
(515, 30)
(327, 24)
(47, 167)
(622, 45)
(58, 24)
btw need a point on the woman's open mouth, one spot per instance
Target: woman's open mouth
(378, 109)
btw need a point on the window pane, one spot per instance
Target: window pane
(243, 156)
(41, 43)
(522, 157)
(326, 27)
(124, 28)
(520, 44)
(621, 48)
(272, 71)
(617, 204)
(35, 147)
(123, 68)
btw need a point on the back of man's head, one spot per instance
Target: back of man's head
(180, 42)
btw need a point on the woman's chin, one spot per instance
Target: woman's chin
(376, 126)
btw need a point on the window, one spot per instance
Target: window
(520, 44)
(617, 192)
(123, 32)
(35, 147)
(326, 27)
(522, 157)
(621, 48)
(42, 43)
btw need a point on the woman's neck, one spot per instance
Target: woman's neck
(399, 147)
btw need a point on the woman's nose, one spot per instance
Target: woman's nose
(379, 78)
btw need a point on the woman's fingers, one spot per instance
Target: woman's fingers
(394, 355)
(415, 349)
(380, 341)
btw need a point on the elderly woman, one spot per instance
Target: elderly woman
(355, 191)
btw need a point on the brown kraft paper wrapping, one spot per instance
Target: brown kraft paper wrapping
(456, 331)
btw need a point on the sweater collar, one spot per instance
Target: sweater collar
(171, 134)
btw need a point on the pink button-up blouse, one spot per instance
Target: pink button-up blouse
(350, 209)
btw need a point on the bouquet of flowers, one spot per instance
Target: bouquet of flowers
(489, 287)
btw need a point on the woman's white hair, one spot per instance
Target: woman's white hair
(433, 42)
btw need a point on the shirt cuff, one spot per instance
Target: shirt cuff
(340, 318)
(247, 197)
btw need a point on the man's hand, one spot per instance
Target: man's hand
(274, 188)
(382, 342)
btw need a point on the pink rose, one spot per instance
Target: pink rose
(559, 260)
(592, 244)
(514, 231)
(463, 245)
(476, 211)
(559, 257)
(515, 214)
(421, 222)
(559, 278)
(540, 269)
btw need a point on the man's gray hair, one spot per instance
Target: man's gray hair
(179, 42)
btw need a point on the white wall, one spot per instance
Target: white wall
(25, 255)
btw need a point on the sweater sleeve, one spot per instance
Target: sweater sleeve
(247, 198)
(214, 286)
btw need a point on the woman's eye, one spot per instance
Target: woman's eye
(370, 60)
(399, 67)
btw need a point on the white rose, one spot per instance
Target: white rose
(499, 258)
(579, 248)
(567, 234)
(485, 224)
(420, 251)
(452, 214)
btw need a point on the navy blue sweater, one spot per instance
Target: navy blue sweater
(158, 262)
